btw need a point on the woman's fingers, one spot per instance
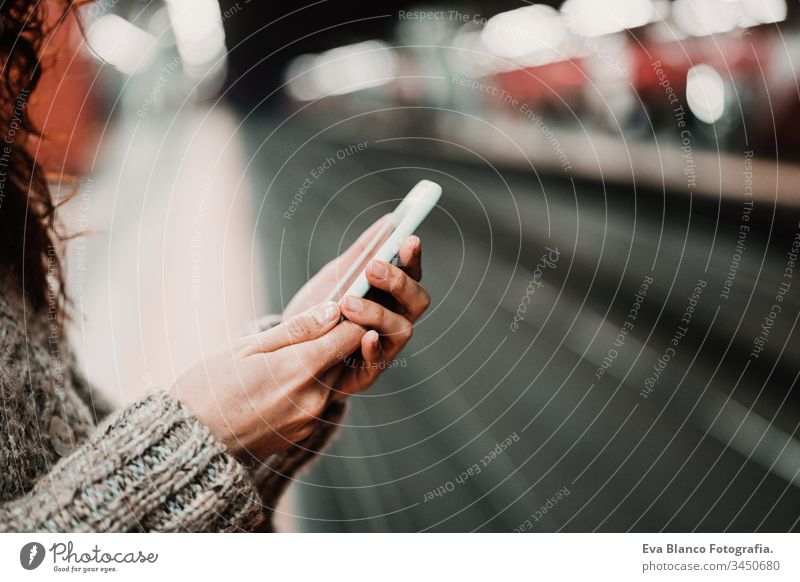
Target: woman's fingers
(412, 298)
(411, 257)
(395, 328)
(334, 347)
(309, 325)
(371, 349)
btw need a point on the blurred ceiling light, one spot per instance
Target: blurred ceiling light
(470, 57)
(198, 31)
(705, 93)
(764, 11)
(300, 78)
(704, 17)
(341, 70)
(524, 31)
(591, 18)
(121, 44)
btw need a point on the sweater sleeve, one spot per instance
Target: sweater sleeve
(150, 467)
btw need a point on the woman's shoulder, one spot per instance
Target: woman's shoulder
(27, 405)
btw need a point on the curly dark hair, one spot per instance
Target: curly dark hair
(30, 260)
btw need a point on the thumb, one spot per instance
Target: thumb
(308, 325)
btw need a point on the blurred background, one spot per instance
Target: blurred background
(612, 343)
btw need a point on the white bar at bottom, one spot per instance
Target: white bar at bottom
(414, 557)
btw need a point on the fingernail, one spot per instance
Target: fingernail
(373, 337)
(326, 312)
(378, 270)
(353, 303)
(416, 243)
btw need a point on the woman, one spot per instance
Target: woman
(216, 450)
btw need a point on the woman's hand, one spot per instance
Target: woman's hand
(389, 311)
(265, 393)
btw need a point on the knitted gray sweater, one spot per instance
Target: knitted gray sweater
(69, 464)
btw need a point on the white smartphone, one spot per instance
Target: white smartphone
(401, 224)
